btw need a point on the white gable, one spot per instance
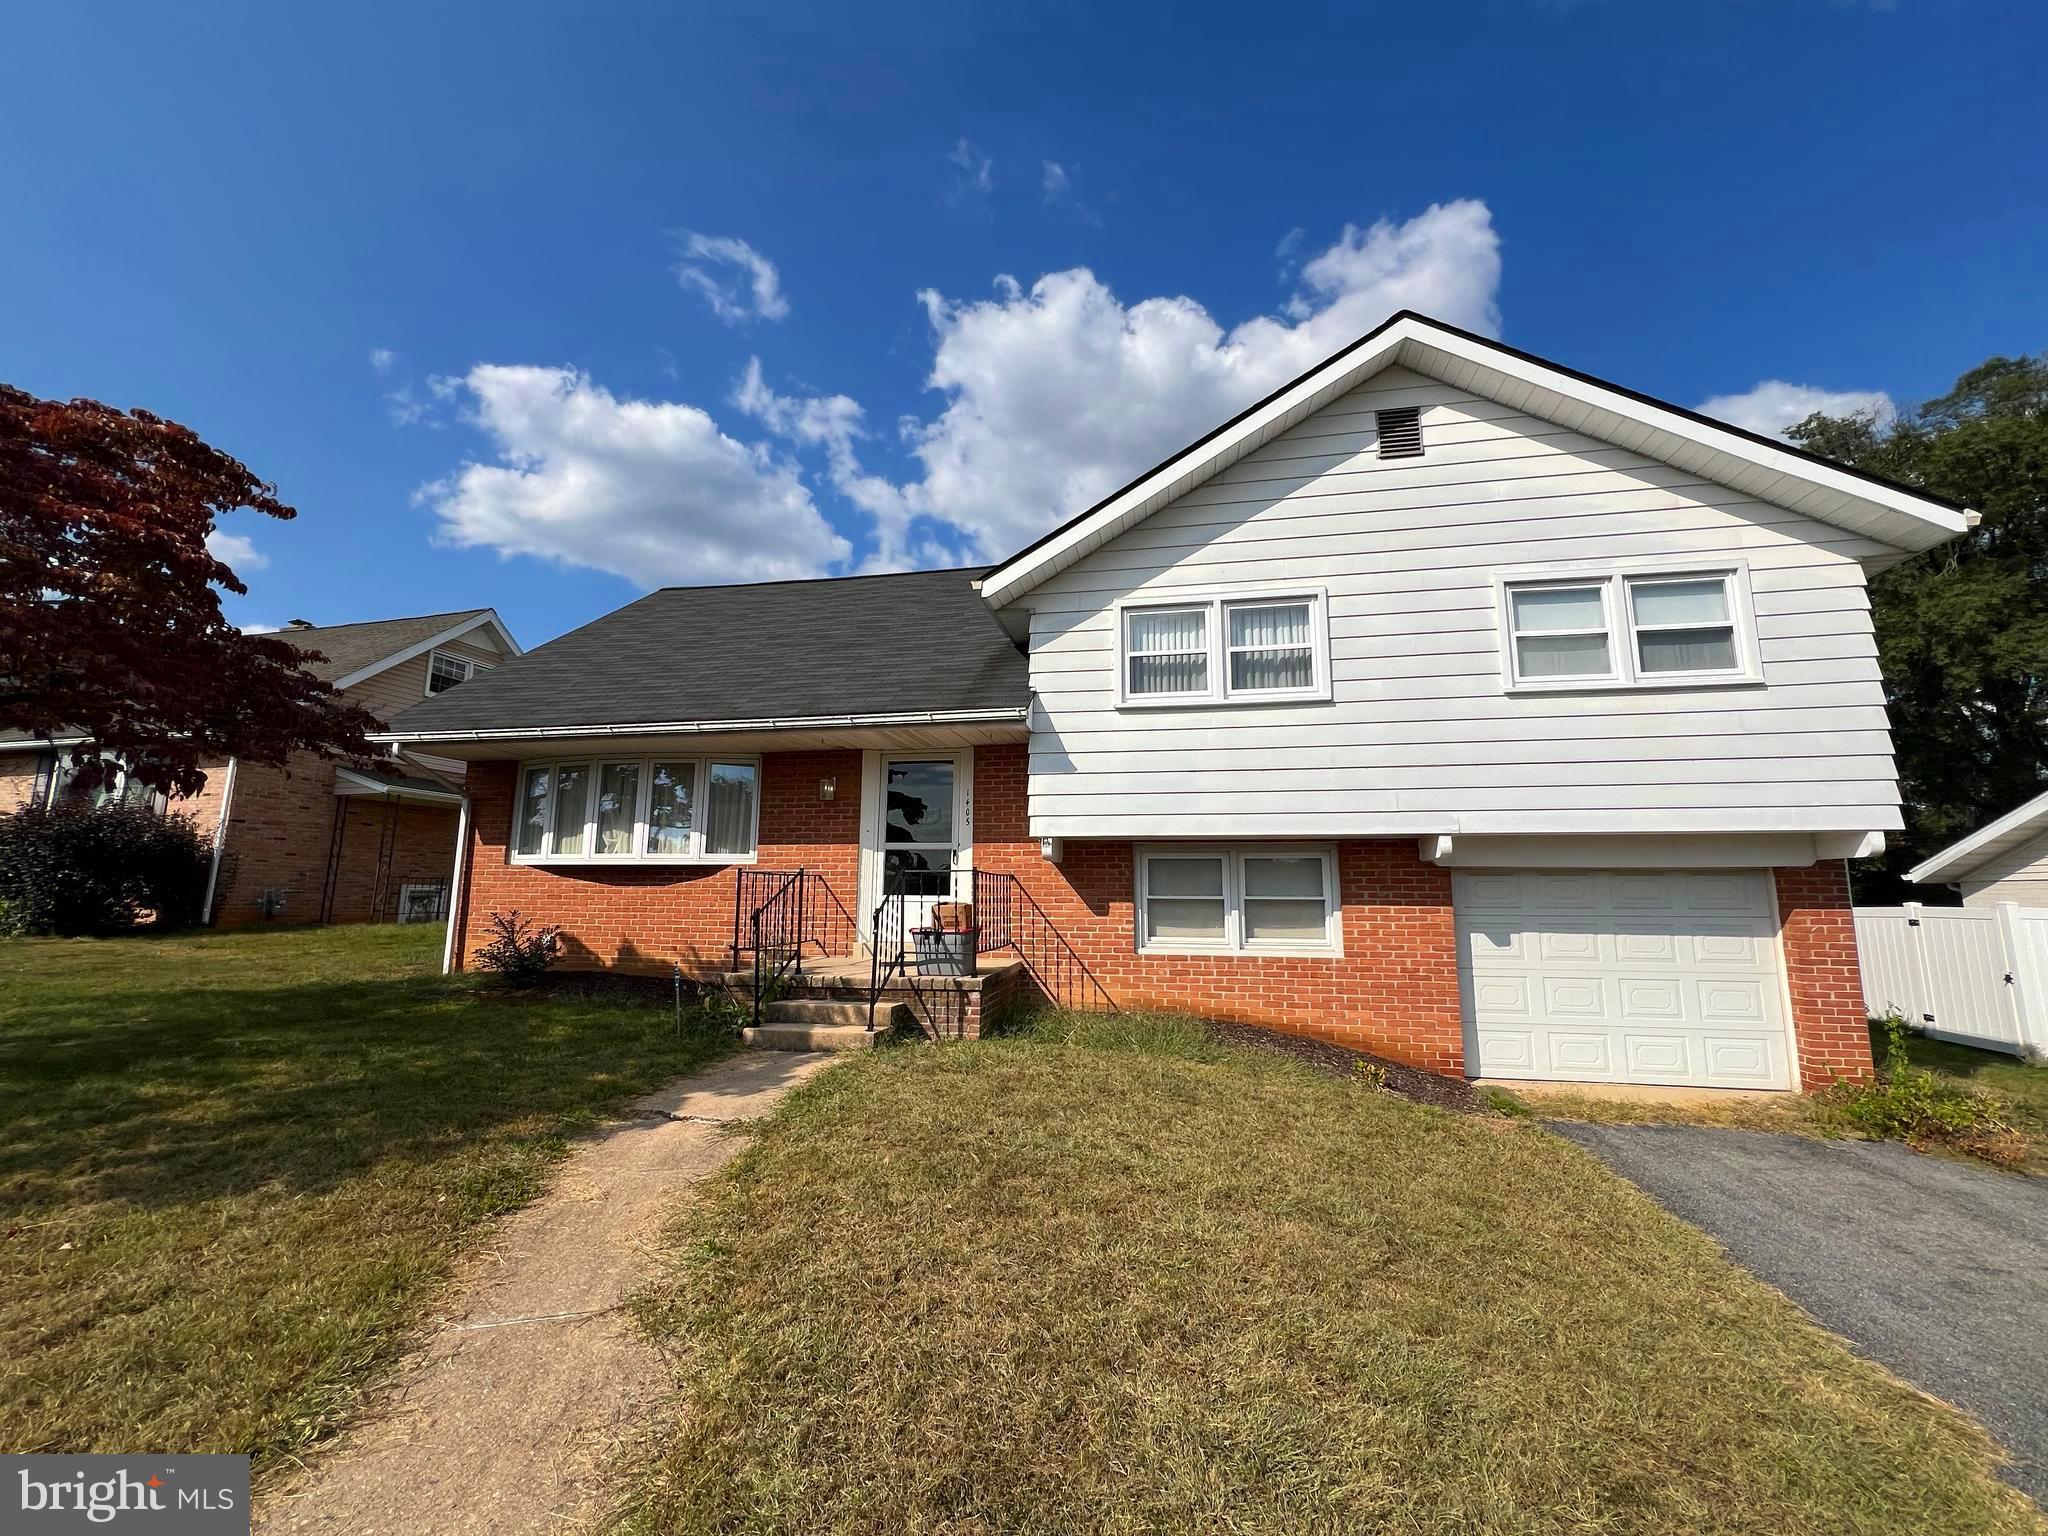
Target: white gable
(1896, 520)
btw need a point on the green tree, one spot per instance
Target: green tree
(1962, 631)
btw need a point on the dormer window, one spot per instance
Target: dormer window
(445, 670)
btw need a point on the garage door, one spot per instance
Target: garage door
(1622, 976)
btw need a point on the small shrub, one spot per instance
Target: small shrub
(1371, 1074)
(519, 950)
(1910, 1104)
(74, 868)
(1501, 1102)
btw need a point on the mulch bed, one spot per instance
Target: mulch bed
(1341, 1061)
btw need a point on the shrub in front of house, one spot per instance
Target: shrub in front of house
(1908, 1103)
(519, 950)
(73, 868)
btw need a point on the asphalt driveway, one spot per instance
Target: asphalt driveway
(1934, 1268)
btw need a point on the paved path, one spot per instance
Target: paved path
(504, 1422)
(1934, 1268)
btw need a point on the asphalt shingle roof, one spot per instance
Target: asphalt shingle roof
(856, 645)
(349, 647)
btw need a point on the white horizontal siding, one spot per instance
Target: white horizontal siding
(2019, 874)
(1419, 734)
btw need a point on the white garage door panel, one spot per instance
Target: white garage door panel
(1628, 976)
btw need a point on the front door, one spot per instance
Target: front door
(920, 840)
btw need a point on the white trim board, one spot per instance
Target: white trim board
(1982, 845)
(1892, 515)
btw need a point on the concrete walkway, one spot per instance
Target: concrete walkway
(504, 1421)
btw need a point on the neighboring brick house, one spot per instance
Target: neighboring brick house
(1447, 703)
(312, 841)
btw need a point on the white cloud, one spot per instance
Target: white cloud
(973, 179)
(1060, 393)
(259, 629)
(650, 490)
(836, 423)
(1056, 181)
(235, 551)
(737, 281)
(382, 358)
(1774, 405)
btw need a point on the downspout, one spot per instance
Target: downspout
(220, 838)
(457, 895)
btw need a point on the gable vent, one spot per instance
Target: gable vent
(1400, 431)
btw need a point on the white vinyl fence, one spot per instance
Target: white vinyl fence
(1978, 975)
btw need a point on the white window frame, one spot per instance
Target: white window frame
(113, 792)
(470, 665)
(700, 765)
(1616, 581)
(1234, 941)
(1215, 605)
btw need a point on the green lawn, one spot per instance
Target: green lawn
(236, 1170)
(1134, 1281)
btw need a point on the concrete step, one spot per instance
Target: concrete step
(803, 1024)
(820, 1011)
(808, 1037)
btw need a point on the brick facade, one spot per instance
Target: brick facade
(1393, 991)
(646, 919)
(1819, 936)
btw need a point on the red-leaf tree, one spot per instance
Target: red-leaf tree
(110, 621)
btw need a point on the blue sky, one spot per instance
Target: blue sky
(538, 306)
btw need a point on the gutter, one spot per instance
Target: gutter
(1018, 713)
(220, 837)
(457, 895)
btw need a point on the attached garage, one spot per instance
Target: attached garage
(1623, 976)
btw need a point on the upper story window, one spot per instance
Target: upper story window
(1223, 649)
(1628, 629)
(670, 810)
(445, 670)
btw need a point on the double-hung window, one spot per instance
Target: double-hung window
(445, 670)
(1628, 629)
(666, 810)
(1252, 900)
(1223, 649)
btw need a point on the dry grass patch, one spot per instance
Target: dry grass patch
(236, 1169)
(2007, 1092)
(1039, 1285)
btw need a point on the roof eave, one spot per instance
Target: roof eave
(994, 716)
(1888, 514)
(1986, 843)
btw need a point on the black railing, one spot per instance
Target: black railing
(1006, 916)
(777, 915)
(1001, 916)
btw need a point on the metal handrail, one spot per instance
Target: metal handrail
(1009, 917)
(773, 916)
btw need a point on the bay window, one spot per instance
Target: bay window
(1654, 626)
(633, 810)
(1250, 900)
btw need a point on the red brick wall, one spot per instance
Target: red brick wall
(1394, 991)
(281, 832)
(645, 919)
(1829, 1019)
(17, 780)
